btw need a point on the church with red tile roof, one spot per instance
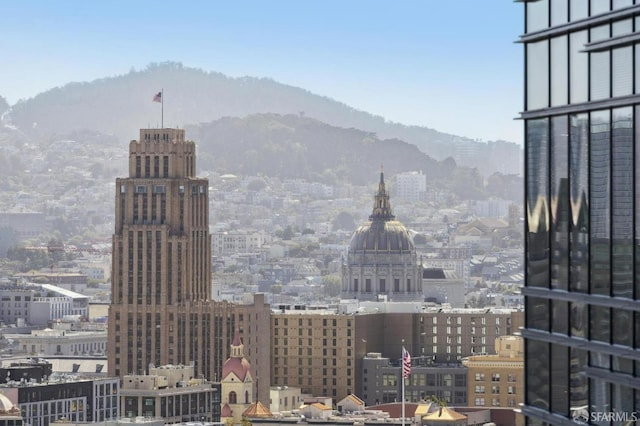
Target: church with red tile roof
(237, 383)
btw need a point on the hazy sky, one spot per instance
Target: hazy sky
(450, 65)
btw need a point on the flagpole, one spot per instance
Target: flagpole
(162, 108)
(402, 377)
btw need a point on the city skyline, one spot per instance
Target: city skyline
(417, 63)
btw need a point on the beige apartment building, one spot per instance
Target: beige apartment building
(161, 311)
(497, 380)
(313, 350)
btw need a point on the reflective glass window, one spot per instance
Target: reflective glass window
(559, 202)
(537, 313)
(600, 391)
(579, 320)
(623, 27)
(579, 201)
(537, 371)
(622, 209)
(600, 323)
(559, 71)
(599, 207)
(560, 317)
(600, 75)
(579, 390)
(599, 6)
(560, 379)
(637, 210)
(578, 67)
(599, 33)
(537, 202)
(621, 398)
(579, 9)
(617, 4)
(636, 318)
(538, 75)
(559, 12)
(537, 15)
(622, 68)
(622, 323)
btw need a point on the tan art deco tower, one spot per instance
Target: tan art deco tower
(161, 312)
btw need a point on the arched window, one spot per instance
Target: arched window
(233, 398)
(246, 397)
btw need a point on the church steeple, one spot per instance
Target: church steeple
(381, 204)
(237, 348)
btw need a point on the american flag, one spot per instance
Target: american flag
(406, 363)
(158, 97)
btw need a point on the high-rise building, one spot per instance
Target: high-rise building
(582, 121)
(161, 311)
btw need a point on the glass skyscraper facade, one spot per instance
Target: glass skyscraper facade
(582, 184)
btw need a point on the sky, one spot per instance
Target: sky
(453, 66)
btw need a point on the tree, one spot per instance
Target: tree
(256, 185)
(344, 221)
(332, 285)
(287, 233)
(420, 239)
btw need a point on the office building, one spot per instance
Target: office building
(161, 311)
(582, 129)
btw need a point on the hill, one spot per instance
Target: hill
(292, 146)
(122, 104)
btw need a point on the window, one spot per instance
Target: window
(479, 402)
(389, 380)
(479, 377)
(495, 377)
(479, 389)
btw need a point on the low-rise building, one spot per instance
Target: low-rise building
(497, 380)
(65, 396)
(382, 381)
(38, 304)
(9, 413)
(61, 342)
(284, 398)
(170, 392)
(443, 286)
